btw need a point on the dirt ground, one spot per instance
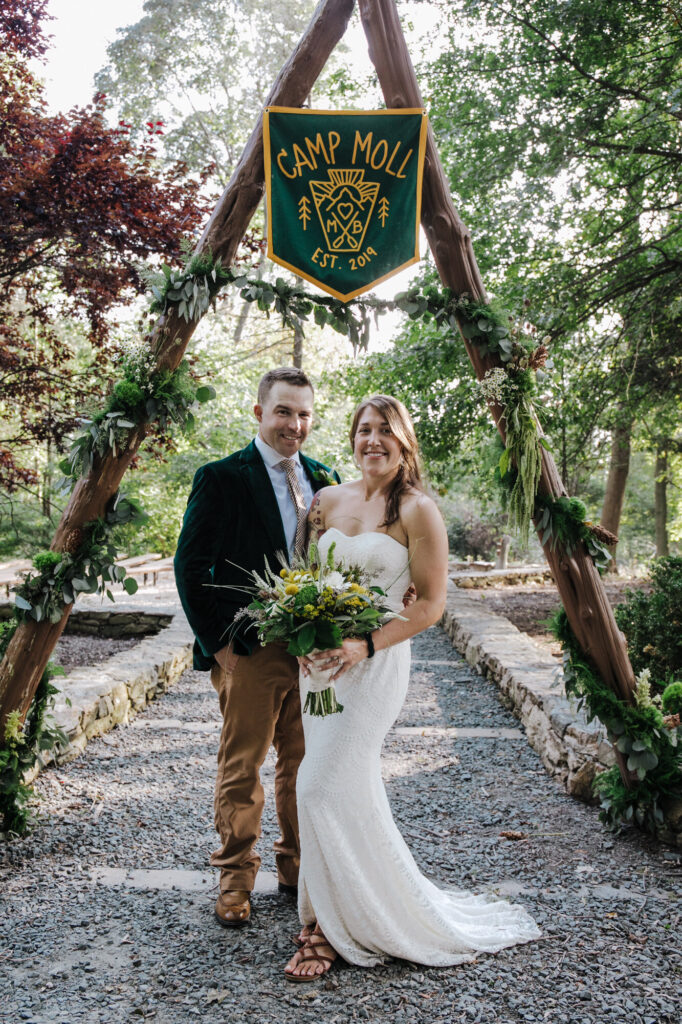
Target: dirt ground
(75, 650)
(529, 605)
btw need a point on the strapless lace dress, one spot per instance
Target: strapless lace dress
(358, 878)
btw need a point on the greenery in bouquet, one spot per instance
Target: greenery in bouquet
(314, 605)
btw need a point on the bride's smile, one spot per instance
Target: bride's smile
(376, 446)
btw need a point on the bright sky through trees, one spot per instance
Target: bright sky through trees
(81, 32)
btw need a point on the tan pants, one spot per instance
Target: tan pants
(260, 705)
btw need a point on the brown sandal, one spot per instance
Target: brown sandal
(308, 952)
(300, 942)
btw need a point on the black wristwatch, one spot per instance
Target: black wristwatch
(370, 645)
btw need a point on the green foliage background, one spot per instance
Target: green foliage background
(558, 126)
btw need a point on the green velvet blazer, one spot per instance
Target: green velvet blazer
(232, 523)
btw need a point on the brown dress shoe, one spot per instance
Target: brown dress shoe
(233, 908)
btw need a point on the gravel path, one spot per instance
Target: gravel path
(76, 949)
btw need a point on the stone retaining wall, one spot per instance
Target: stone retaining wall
(108, 623)
(105, 695)
(500, 577)
(529, 680)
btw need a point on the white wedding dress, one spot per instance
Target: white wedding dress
(358, 878)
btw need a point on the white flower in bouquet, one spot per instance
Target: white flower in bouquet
(336, 580)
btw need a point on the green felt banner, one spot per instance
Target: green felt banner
(344, 194)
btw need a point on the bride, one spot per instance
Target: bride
(360, 892)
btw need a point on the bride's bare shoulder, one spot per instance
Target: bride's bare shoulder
(418, 510)
(326, 501)
(330, 497)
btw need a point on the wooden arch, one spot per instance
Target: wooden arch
(578, 581)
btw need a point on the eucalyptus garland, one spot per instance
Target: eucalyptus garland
(640, 731)
(22, 745)
(194, 288)
(142, 395)
(87, 568)
(523, 450)
(563, 521)
(511, 387)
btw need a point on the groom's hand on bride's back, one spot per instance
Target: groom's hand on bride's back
(410, 596)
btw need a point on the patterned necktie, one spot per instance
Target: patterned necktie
(289, 466)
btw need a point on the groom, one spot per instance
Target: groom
(244, 509)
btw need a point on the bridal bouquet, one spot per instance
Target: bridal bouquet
(314, 606)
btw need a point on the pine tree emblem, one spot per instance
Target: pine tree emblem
(304, 211)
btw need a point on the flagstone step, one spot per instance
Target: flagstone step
(161, 724)
(172, 878)
(457, 732)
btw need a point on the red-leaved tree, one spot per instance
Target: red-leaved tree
(81, 206)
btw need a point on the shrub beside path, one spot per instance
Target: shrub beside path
(107, 906)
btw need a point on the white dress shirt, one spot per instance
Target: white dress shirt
(278, 478)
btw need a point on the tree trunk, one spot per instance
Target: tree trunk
(619, 467)
(246, 305)
(45, 501)
(578, 582)
(297, 354)
(502, 552)
(32, 644)
(661, 502)
(242, 317)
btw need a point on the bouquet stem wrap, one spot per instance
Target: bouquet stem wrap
(321, 698)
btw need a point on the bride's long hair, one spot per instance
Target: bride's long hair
(409, 473)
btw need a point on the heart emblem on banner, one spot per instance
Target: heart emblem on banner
(345, 210)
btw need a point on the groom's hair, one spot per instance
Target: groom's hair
(288, 374)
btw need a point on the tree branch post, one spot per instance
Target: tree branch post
(33, 642)
(577, 579)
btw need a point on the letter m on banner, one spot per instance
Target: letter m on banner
(344, 194)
